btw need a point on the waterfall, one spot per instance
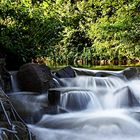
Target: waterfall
(85, 92)
(98, 108)
(79, 100)
(14, 83)
(88, 82)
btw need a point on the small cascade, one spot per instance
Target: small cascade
(89, 82)
(79, 100)
(90, 92)
(85, 92)
(57, 83)
(14, 83)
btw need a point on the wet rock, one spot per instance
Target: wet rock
(138, 71)
(131, 73)
(84, 72)
(30, 105)
(53, 97)
(19, 131)
(1, 83)
(66, 72)
(103, 74)
(35, 77)
(12, 126)
(4, 76)
(53, 101)
(96, 73)
(126, 98)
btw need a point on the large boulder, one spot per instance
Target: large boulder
(66, 72)
(35, 77)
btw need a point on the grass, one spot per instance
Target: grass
(99, 67)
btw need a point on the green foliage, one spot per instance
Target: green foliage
(27, 29)
(118, 31)
(68, 31)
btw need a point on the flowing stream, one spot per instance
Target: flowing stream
(98, 108)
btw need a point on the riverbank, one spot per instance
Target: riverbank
(100, 67)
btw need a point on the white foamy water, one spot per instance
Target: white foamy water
(103, 125)
(89, 82)
(95, 93)
(100, 109)
(79, 100)
(87, 133)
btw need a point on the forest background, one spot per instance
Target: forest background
(71, 32)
